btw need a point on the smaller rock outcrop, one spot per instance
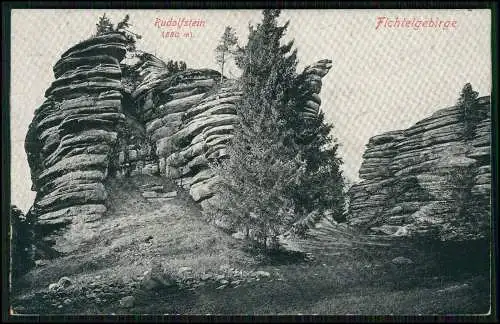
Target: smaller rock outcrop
(429, 179)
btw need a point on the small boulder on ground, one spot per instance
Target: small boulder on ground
(54, 287)
(65, 282)
(40, 263)
(261, 273)
(238, 235)
(127, 301)
(401, 260)
(185, 269)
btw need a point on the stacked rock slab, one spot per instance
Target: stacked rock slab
(202, 139)
(481, 152)
(190, 116)
(136, 154)
(174, 110)
(71, 136)
(407, 186)
(310, 86)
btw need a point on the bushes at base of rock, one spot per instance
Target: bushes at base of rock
(22, 252)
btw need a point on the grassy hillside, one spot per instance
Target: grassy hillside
(161, 257)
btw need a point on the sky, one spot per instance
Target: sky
(382, 79)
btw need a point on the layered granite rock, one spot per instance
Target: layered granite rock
(115, 113)
(310, 87)
(189, 118)
(417, 181)
(174, 110)
(69, 142)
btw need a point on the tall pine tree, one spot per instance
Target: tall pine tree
(282, 169)
(264, 163)
(322, 185)
(466, 103)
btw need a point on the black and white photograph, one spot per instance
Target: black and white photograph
(251, 162)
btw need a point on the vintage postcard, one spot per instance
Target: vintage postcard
(252, 162)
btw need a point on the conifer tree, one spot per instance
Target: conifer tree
(227, 46)
(124, 23)
(264, 164)
(322, 184)
(104, 25)
(22, 258)
(176, 66)
(281, 168)
(466, 102)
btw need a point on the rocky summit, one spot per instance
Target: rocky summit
(417, 181)
(116, 113)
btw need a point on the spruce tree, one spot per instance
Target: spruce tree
(264, 163)
(104, 25)
(466, 102)
(22, 258)
(124, 23)
(281, 169)
(322, 184)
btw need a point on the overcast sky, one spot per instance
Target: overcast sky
(382, 79)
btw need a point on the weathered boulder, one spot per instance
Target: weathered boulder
(419, 181)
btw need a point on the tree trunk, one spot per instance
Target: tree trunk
(222, 68)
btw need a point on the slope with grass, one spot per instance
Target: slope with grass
(138, 235)
(160, 256)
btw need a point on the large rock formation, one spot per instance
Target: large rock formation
(69, 142)
(113, 113)
(422, 180)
